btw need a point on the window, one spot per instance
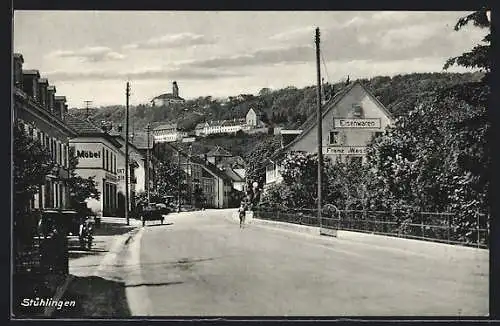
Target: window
(334, 137)
(107, 160)
(60, 154)
(357, 110)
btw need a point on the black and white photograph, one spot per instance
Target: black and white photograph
(244, 164)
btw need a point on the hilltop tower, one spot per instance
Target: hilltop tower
(175, 89)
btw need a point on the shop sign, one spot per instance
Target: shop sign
(345, 150)
(88, 154)
(357, 123)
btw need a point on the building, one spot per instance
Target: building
(168, 98)
(137, 170)
(97, 153)
(145, 147)
(351, 120)
(214, 183)
(43, 116)
(168, 132)
(217, 155)
(254, 118)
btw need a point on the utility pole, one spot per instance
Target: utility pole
(320, 131)
(148, 128)
(127, 93)
(190, 176)
(179, 181)
(87, 106)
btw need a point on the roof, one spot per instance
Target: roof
(87, 128)
(121, 138)
(312, 121)
(168, 96)
(60, 98)
(232, 162)
(234, 122)
(31, 72)
(233, 175)
(51, 88)
(257, 111)
(207, 165)
(43, 81)
(166, 126)
(219, 151)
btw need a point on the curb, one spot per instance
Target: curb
(288, 226)
(115, 250)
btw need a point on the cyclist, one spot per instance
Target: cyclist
(241, 211)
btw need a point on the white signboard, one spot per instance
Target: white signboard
(89, 155)
(357, 123)
(344, 150)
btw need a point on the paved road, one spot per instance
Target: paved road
(202, 264)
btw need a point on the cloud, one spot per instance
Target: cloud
(143, 74)
(172, 41)
(266, 56)
(381, 37)
(90, 54)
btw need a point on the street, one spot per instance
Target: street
(203, 264)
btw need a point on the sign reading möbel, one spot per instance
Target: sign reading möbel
(357, 123)
(345, 150)
(87, 154)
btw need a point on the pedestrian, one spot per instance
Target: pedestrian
(241, 212)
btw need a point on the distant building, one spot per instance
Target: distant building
(254, 118)
(168, 98)
(168, 132)
(351, 120)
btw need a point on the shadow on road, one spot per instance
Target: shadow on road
(95, 297)
(153, 284)
(159, 224)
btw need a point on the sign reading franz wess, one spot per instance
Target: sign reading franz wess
(88, 154)
(345, 150)
(373, 123)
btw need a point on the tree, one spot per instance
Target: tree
(32, 163)
(480, 56)
(80, 189)
(168, 177)
(256, 159)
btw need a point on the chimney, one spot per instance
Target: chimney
(51, 105)
(175, 89)
(60, 106)
(30, 82)
(42, 91)
(18, 70)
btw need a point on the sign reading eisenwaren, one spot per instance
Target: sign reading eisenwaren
(373, 123)
(345, 150)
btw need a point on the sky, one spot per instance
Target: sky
(90, 55)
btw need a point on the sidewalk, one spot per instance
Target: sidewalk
(93, 295)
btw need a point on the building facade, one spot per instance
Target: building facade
(43, 116)
(168, 132)
(351, 120)
(97, 154)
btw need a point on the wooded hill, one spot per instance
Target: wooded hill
(288, 107)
